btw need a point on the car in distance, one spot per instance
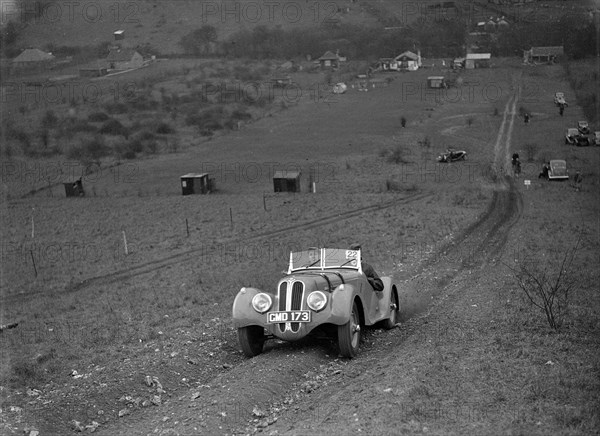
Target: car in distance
(575, 137)
(559, 98)
(583, 127)
(558, 170)
(323, 290)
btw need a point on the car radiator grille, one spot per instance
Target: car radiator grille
(295, 300)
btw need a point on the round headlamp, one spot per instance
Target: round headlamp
(261, 302)
(316, 300)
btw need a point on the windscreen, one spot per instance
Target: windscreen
(321, 258)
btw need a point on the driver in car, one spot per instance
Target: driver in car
(369, 271)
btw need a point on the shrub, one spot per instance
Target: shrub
(548, 287)
(164, 128)
(530, 150)
(98, 117)
(116, 108)
(396, 156)
(49, 120)
(114, 127)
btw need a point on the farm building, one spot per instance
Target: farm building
(124, 59)
(543, 54)
(119, 35)
(477, 60)
(286, 181)
(458, 63)
(387, 64)
(33, 57)
(74, 188)
(436, 82)
(193, 183)
(408, 61)
(330, 60)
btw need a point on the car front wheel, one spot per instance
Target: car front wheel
(252, 339)
(349, 334)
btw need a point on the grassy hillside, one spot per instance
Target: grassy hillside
(162, 24)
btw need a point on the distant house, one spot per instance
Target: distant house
(477, 60)
(33, 57)
(388, 64)
(436, 82)
(330, 60)
(543, 54)
(124, 59)
(458, 63)
(408, 61)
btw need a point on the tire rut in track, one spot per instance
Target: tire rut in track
(184, 256)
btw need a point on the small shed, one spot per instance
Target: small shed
(119, 35)
(543, 54)
(193, 183)
(74, 188)
(286, 181)
(477, 60)
(436, 82)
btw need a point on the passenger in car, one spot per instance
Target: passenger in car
(369, 271)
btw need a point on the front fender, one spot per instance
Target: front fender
(243, 312)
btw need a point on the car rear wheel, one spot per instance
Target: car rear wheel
(391, 322)
(252, 339)
(349, 334)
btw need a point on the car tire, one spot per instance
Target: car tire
(252, 339)
(391, 322)
(349, 334)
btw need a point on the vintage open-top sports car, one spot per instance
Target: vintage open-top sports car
(324, 289)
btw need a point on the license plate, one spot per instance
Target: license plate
(293, 316)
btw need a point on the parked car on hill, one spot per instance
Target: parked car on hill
(452, 156)
(574, 137)
(583, 127)
(558, 170)
(324, 290)
(559, 98)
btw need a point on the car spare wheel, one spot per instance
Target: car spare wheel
(252, 339)
(349, 334)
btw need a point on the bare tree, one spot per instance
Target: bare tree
(547, 287)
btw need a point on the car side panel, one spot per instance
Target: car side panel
(378, 307)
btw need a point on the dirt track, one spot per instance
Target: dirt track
(304, 390)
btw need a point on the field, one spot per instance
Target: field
(471, 355)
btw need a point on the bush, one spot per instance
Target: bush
(396, 156)
(164, 128)
(116, 108)
(114, 127)
(49, 120)
(548, 287)
(98, 117)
